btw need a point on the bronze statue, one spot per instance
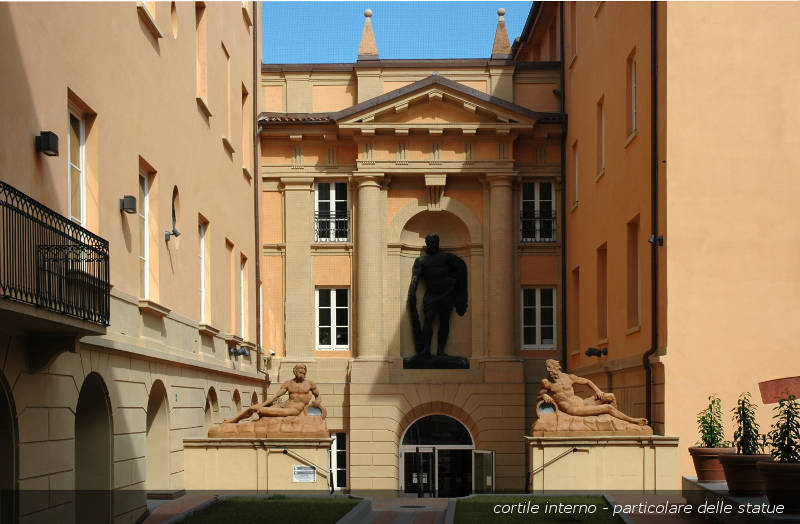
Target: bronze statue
(445, 277)
(560, 409)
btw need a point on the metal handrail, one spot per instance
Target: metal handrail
(332, 226)
(49, 261)
(538, 227)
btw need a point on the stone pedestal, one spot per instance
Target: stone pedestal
(603, 463)
(255, 464)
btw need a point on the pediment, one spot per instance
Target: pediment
(437, 102)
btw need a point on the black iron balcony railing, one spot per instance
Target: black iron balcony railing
(48, 261)
(332, 226)
(538, 227)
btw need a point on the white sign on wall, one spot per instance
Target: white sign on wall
(304, 474)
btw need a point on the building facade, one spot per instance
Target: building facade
(360, 162)
(129, 259)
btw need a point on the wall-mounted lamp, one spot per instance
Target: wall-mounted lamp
(238, 352)
(127, 204)
(47, 143)
(174, 233)
(656, 240)
(595, 352)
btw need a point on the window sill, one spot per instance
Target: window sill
(151, 307)
(149, 20)
(633, 329)
(630, 138)
(247, 174)
(600, 174)
(207, 329)
(332, 245)
(203, 106)
(227, 144)
(602, 341)
(572, 61)
(574, 206)
(597, 7)
(232, 339)
(333, 353)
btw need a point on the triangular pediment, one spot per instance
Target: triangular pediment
(437, 102)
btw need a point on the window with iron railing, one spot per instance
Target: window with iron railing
(538, 213)
(49, 261)
(331, 212)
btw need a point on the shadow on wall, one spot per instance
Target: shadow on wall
(20, 165)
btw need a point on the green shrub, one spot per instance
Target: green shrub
(746, 438)
(784, 436)
(709, 423)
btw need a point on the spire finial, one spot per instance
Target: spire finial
(368, 49)
(501, 49)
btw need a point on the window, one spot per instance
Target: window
(575, 311)
(243, 296)
(633, 271)
(232, 284)
(601, 136)
(77, 168)
(144, 234)
(202, 231)
(573, 28)
(227, 137)
(339, 460)
(631, 93)
(575, 167)
(331, 212)
(538, 317)
(245, 132)
(333, 318)
(538, 214)
(602, 293)
(201, 47)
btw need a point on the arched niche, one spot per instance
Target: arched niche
(457, 235)
(211, 410)
(158, 441)
(93, 452)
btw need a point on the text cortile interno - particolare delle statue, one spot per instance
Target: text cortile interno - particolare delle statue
(562, 412)
(298, 416)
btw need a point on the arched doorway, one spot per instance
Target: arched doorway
(158, 441)
(438, 458)
(93, 452)
(8, 454)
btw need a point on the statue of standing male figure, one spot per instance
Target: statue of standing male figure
(445, 277)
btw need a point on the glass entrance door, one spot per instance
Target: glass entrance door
(482, 471)
(418, 472)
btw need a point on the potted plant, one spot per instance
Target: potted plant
(712, 443)
(740, 467)
(782, 477)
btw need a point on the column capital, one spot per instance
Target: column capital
(368, 179)
(501, 179)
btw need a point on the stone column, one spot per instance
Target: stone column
(502, 294)
(368, 300)
(299, 305)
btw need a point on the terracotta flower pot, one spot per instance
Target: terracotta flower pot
(706, 463)
(741, 475)
(782, 484)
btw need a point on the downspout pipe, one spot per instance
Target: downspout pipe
(563, 194)
(256, 191)
(655, 240)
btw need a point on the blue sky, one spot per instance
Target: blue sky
(318, 32)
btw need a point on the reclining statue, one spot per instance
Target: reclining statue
(561, 410)
(296, 417)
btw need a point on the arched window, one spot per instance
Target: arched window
(437, 430)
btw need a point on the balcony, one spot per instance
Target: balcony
(332, 226)
(53, 273)
(538, 227)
